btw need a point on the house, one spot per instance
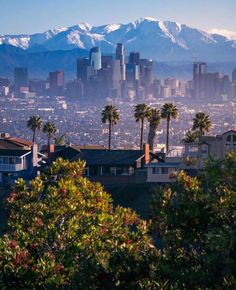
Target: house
(18, 158)
(110, 166)
(210, 146)
(162, 172)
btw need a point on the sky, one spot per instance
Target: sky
(31, 16)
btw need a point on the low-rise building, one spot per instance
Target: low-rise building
(18, 158)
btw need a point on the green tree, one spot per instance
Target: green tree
(196, 220)
(168, 112)
(154, 119)
(64, 233)
(60, 141)
(201, 123)
(50, 129)
(34, 123)
(141, 113)
(110, 115)
(190, 136)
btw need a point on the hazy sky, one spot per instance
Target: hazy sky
(30, 16)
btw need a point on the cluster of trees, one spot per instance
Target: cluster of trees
(143, 112)
(201, 125)
(35, 123)
(64, 233)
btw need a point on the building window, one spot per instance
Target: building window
(228, 139)
(155, 170)
(164, 170)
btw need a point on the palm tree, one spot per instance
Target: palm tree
(190, 136)
(168, 112)
(154, 119)
(141, 112)
(202, 123)
(34, 123)
(50, 129)
(110, 115)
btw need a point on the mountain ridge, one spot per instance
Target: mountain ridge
(156, 39)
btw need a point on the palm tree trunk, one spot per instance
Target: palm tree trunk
(141, 137)
(167, 135)
(33, 136)
(109, 138)
(49, 137)
(151, 136)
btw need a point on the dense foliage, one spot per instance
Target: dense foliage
(63, 233)
(196, 219)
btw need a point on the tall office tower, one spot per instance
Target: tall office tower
(120, 55)
(21, 78)
(234, 83)
(37, 86)
(146, 72)
(213, 85)
(82, 64)
(134, 58)
(199, 80)
(116, 79)
(234, 76)
(56, 82)
(95, 58)
(132, 73)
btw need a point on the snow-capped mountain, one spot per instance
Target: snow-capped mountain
(160, 40)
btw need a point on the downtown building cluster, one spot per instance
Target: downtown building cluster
(121, 76)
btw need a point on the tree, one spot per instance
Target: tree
(202, 123)
(50, 129)
(154, 119)
(141, 113)
(64, 233)
(110, 115)
(196, 220)
(191, 136)
(34, 123)
(168, 112)
(60, 141)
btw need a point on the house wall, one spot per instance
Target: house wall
(159, 177)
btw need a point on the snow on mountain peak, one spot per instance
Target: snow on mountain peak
(150, 36)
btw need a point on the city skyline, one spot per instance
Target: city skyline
(61, 13)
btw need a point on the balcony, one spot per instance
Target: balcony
(11, 167)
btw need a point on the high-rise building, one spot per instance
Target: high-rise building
(234, 76)
(234, 83)
(134, 58)
(56, 82)
(120, 55)
(82, 64)
(95, 58)
(21, 78)
(199, 80)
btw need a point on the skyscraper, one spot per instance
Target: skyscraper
(21, 78)
(56, 82)
(120, 55)
(95, 58)
(134, 58)
(199, 80)
(234, 76)
(82, 64)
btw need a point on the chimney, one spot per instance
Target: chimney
(34, 149)
(51, 150)
(146, 149)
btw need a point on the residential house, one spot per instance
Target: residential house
(18, 158)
